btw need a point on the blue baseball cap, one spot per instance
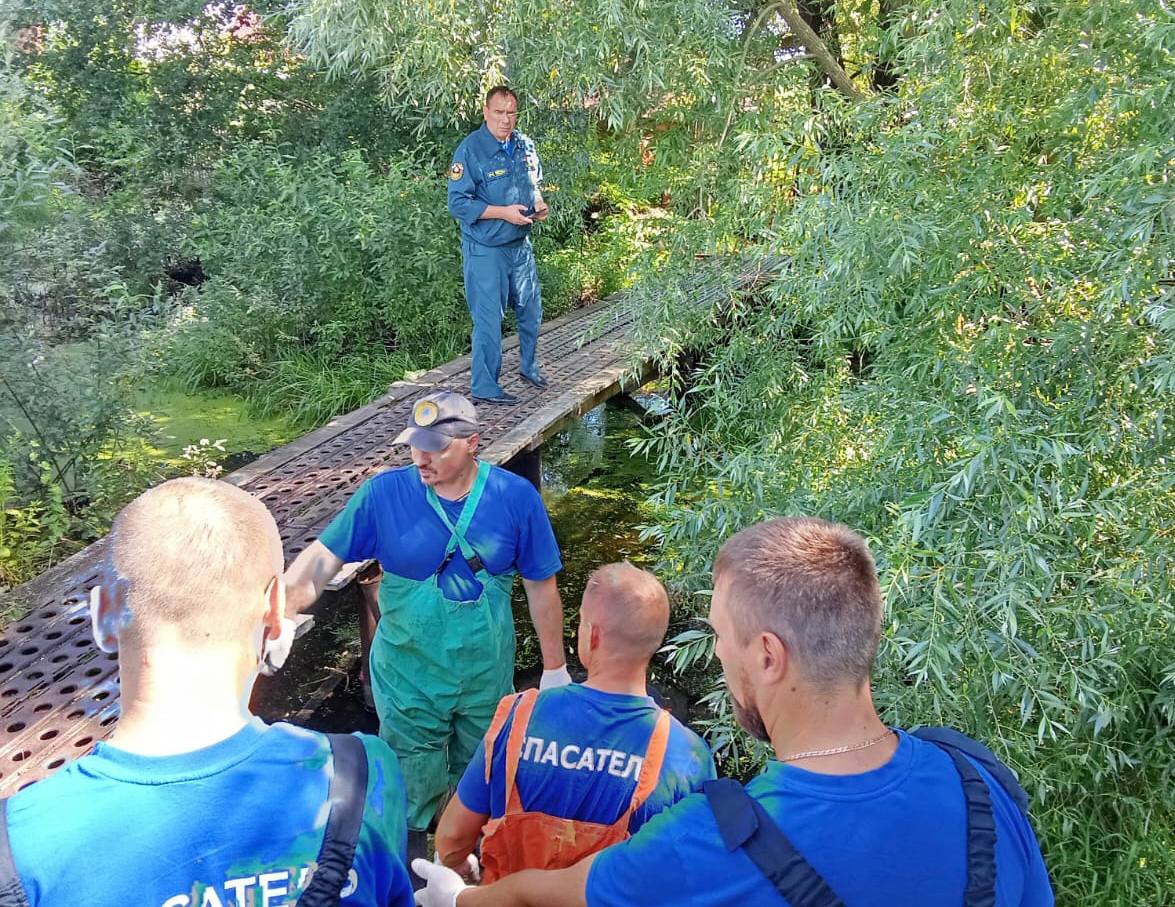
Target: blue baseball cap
(437, 419)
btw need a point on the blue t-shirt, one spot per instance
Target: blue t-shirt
(894, 835)
(582, 757)
(389, 518)
(236, 823)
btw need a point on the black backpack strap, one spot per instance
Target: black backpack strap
(12, 892)
(348, 791)
(950, 739)
(744, 823)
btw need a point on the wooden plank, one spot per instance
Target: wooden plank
(347, 574)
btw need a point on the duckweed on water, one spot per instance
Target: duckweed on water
(595, 491)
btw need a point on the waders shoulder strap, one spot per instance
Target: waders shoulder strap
(457, 532)
(348, 791)
(980, 833)
(949, 739)
(650, 765)
(744, 823)
(505, 707)
(514, 744)
(12, 892)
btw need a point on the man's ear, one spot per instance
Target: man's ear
(773, 657)
(594, 641)
(275, 606)
(109, 613)
(473, 440)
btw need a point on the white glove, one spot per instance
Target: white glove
(443, 885)
(472, 868)
(556, 677)
(277, 650)
(471, 872)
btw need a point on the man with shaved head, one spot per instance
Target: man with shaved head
(569, 771)
(193, 801)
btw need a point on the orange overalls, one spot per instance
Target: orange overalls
(521, 840)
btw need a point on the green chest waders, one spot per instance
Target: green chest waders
(439, 667)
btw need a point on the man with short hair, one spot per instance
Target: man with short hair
(495, 196)
(451, 533)
(850, 812)
(193, 801)
(575, 769)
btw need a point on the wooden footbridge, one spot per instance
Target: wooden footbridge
(59, 693)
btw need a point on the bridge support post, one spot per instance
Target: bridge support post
(529, 465)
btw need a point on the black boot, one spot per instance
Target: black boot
(417, 847)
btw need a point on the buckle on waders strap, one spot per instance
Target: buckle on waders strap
(475, 563)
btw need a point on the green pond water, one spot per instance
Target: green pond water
(595, 490)
(182, 417)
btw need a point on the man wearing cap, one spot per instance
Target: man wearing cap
(494, 194)
(451, 531)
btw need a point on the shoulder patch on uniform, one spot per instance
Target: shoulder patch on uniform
(456, 170)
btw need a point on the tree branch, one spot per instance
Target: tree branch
(818, 49)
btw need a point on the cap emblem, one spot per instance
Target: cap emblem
(425, 413)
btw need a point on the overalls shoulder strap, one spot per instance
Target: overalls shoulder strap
(949, 739)
(505, 707)
(981, 833)
(650, 765)
(744, 823)
(347, 793)
(514, 744)
(457, 531)
(12, 892)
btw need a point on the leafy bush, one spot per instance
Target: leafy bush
(966, 356)
(324, 254)
(29, 532)
(72, 449)
(310, 387)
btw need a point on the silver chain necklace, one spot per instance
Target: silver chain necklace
(836, 751)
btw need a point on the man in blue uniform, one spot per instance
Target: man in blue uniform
(193, 802)
(585, 745)
(451, 533)
(849, 812)
(495, 195)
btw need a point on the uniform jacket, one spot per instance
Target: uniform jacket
(483, 174)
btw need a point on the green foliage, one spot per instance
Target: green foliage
(435, 63)
(966, 357)
(32, 167)
(311, 387)
(319, 264)
(29, 532)
(72, 450)
(157, 92)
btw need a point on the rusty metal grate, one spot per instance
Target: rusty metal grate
(59, 694)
